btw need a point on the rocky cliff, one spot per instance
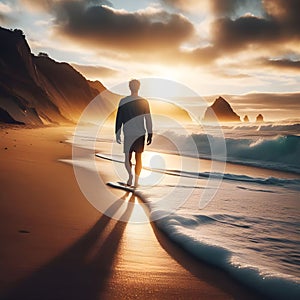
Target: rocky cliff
(37, 89)
(5, 117)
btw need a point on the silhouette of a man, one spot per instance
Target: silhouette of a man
(134, 114)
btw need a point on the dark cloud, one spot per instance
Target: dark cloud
(264, 64)
(283, 64)
(287, 10)
(238, 25)
(95, 71)
(145, 30)
(244, 31)
(285, 13)
(280, 24)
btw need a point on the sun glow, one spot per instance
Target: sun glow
(153, 166)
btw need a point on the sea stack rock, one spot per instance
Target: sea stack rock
(259, 118)
(222, 110)
(246, 119)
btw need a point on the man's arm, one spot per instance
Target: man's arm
(118, 125)
(148, 124)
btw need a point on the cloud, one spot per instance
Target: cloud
(285, 13)
(237, 26)
(284, 10)
(5, 8)
(283, 64)
(38, 5)
(3, 19)
(6, 14)
(199, 55)
(232, 76)
(149, 33)
(265, 100)
(218, 8)
(246, 31)
(95, 71)
(48, 5)
(191, 6)
(280, 24)
(144, 31)
(267, 28)
(235, 8)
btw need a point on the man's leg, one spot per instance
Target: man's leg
(128, 166)
(138, 167)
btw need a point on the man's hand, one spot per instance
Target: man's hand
(149, 139)
(118, 138)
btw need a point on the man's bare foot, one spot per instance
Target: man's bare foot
(136, 182)
(129, 181)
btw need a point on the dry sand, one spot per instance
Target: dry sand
(56, 245)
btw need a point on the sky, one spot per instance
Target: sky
(212, 46)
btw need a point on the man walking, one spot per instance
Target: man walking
(134, 114)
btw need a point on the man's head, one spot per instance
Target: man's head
(134, 85)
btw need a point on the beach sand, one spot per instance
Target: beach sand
(56, 245)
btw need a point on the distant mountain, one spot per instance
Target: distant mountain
(37, 89)
(221, 110)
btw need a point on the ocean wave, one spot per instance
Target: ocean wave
(271, 285)
(278, 153)
(242, 178)
(280, 128)
(281, 152)
(293, 128)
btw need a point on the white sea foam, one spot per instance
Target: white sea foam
(185, 230)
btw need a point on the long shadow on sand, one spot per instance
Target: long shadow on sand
(76, 274)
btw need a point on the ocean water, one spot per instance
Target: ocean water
(240, 213)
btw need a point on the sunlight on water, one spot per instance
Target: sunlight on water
(152, 160)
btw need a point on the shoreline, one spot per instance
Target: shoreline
(55, 244)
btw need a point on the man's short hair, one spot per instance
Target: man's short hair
(134, 85)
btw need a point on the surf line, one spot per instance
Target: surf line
(230, 177)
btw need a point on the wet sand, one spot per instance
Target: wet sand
(56, 245)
